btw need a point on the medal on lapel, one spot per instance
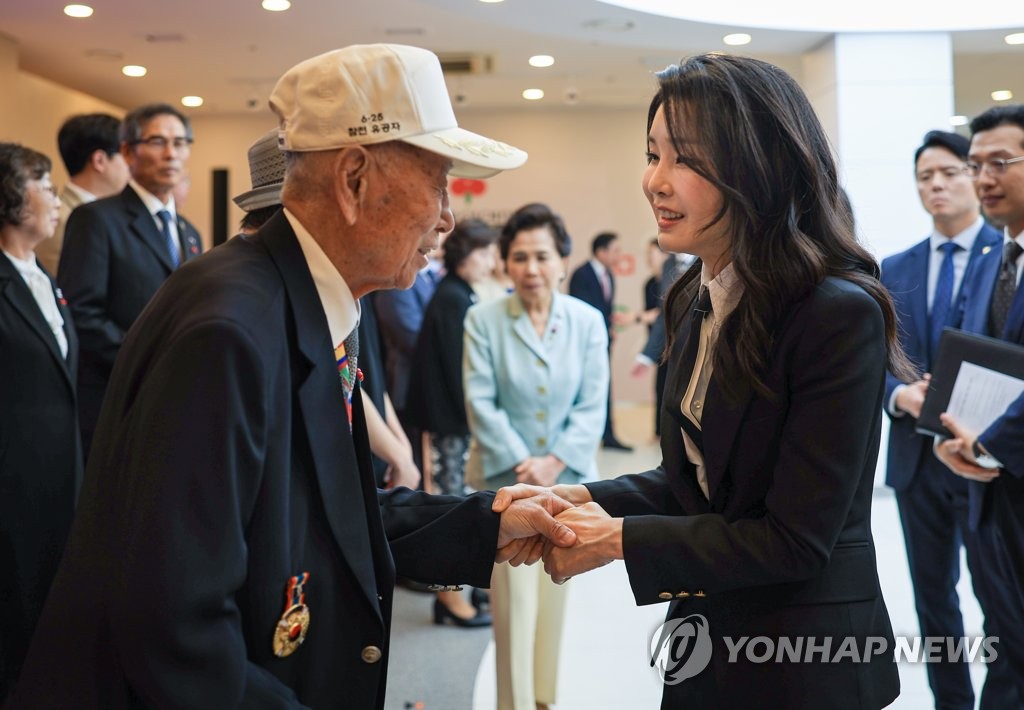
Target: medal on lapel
(290, 631)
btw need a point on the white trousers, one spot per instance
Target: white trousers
(528, 610)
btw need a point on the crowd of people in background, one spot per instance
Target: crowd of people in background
(485, 366)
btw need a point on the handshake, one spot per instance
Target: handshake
(561, 524)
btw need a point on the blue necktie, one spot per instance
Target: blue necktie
(943, 298)
(172, 243)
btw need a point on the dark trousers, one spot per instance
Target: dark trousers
(933, 512)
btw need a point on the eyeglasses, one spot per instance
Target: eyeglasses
(995, 166)
(160, 143)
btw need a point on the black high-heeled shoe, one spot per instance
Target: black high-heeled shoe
(479, 598)
(443, 614)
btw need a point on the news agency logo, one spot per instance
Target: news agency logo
(681, 648)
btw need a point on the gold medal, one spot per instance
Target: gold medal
(290, 631)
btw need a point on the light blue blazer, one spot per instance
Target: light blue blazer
(531, 396)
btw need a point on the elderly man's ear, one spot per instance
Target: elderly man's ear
(351, 168)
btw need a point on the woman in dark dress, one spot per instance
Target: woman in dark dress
(435, 400)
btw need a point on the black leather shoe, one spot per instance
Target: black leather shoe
(479, 598)
(616, 445)
(443, 614)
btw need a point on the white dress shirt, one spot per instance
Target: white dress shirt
(42, 292)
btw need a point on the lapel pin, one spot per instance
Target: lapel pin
(986, 250)
(290, 631)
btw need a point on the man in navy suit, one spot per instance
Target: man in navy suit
(594, 283)
(994, 305)
(119, 249)
(925, 281)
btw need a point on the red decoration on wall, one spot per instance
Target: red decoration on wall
(625, 265)
(467, 187)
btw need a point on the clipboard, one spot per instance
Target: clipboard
(992, 358)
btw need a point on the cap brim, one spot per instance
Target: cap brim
(265, 196)
(473, 155)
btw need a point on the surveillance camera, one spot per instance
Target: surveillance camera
(571, 96)
(252, 103)
(460, 98)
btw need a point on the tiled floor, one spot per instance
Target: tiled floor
(605, 656)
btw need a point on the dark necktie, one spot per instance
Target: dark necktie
(1006, 288)
(942, 300)
(169, 240)
(701, 310)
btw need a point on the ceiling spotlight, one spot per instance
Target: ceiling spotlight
(276, 5)
(958, 120)
(491, 2)
(737, 39)
(533, 94)
(1015, 38)
(78, 11)
(192, 101)
(1002, 95)
(541, 60)
(133, 70)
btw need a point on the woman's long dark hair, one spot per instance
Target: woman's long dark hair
(751, 132)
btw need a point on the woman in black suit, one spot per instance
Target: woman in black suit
(435, 400)
(756, 526)
(40, 454)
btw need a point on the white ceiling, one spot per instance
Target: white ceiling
(232, 51)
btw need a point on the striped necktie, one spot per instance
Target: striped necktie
(346, 354)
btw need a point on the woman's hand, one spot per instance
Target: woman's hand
(539, 470)
(598, 542)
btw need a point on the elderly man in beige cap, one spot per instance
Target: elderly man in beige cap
(230, 547)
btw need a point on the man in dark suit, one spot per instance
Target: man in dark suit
(594, 283)
(994, 305)
(118, 250)
(925, 283)
(230, 547)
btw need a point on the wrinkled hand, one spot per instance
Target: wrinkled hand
(909, 399)
(956, 453)
(527, 520)
(539, 470)
(598, 542)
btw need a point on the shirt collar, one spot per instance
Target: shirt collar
(1007, 238)
(598, 267)
(339, 306)
(725, 291)
(82, 194)
(152, 202)
(964, 240)
(25, 267)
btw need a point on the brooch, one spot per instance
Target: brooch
(290, 631)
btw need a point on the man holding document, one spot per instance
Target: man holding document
(993, 460)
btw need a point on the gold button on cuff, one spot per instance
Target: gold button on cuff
(700, 593)
(682, 595)
(665, 595)
(371, 654)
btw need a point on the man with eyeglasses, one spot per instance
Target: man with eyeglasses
(925, 281)
(993, 460)
(118, 250)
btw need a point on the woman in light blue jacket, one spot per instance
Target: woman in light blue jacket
(536, 379)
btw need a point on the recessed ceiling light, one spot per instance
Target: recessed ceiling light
(737, 39)
(1015, 38)
(958, 120)
(192, 101)
(1002, 95)
(541, 60)
(533, 94)
(78, 11)
(133, 70)
(276, 5)
(492, 2)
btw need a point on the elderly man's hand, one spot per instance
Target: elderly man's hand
(956, 453)
(598, 542)
(527, 521)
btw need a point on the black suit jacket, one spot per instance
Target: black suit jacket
(113, 261)
(224, 466)
(40, 461)
(585, 286)
(783, 548)
(436, 401)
